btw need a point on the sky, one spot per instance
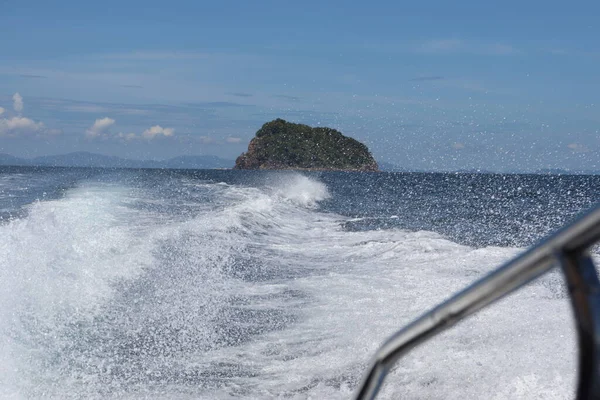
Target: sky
(428, 85)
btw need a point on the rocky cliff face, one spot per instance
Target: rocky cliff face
(283, 145)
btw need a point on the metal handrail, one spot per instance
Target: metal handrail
(567, 247)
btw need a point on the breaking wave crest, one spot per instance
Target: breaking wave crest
(302, 190)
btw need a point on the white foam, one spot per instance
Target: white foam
(301, 190)
(374, 283)
(57, 265)
(353, 290)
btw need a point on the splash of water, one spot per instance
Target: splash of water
(109, 293)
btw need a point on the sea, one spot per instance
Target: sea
(222, 284)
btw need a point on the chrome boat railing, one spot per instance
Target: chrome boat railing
(568, 248)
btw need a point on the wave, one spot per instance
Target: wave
(301, 190)
(232, 291)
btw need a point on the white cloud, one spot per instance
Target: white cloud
(17, 102)
(458, 146)
(577, 147)
(233, 140)
(127, 136)
(157, 130)
(19, 126)
(99, 128)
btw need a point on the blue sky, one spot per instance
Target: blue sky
(431, 85)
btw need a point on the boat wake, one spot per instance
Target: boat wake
(220, 291)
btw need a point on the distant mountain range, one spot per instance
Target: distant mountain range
(85, 159)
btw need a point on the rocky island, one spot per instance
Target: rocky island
(283, 145)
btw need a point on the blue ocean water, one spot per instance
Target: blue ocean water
(221, 284)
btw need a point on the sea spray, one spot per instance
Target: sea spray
(153, 284)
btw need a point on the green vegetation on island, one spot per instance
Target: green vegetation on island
(283, 145)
